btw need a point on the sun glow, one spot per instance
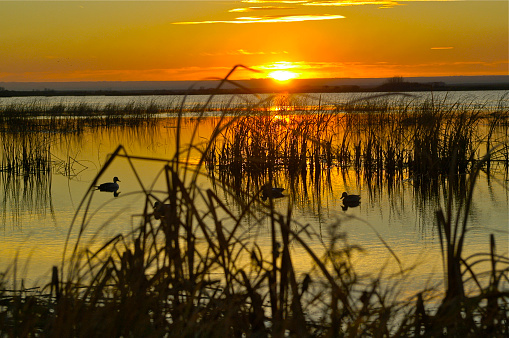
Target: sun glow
(282, 75)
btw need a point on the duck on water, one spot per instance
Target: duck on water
(110, 186)
(161, 210)
(269, 192)
(350, 200)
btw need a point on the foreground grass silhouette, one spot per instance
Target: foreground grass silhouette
(186, 273)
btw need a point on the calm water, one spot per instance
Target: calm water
(36, 214)
(475, 98)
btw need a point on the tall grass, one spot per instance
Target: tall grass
(74, 118)
(421, 142)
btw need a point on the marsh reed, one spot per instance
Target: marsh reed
(421, 142)
(29, 131)
(38, 116)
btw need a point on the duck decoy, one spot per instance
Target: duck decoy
(161, 209)
(269, 192)
(110, 186)
(350, 199)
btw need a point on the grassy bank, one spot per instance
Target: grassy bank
(38, 116)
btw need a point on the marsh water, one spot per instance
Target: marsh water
(395, 218)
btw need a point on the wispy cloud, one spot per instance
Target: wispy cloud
(261, 8)
(308, 69)
(267, 19)
(245, 52)
(275, 1)
(384, 68)
(331, 3)
(441, 48)
(302, 65)
(382, 4)
(266, 5)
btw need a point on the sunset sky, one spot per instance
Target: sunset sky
(194, 40)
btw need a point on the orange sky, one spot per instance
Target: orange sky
(191, 40)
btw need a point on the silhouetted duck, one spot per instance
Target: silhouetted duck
(110, 186)
(269, 192)
(161, 209)
(350, 199)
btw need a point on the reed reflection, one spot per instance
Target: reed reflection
(25, 174)
(391, 151)
(25, 195)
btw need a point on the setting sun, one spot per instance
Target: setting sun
(282, 75)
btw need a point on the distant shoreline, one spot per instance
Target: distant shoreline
(253, 86)
(208, 91)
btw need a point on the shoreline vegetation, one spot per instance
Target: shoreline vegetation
(190, 268)
(264, 86)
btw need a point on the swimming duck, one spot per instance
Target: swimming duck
(110, 186)
(269, 192)
(350, 199)
(160, 209)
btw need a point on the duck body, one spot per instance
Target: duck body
(110, 186)
(269, 192)
(350, 200)
(161, 209)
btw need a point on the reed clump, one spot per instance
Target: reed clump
(28, 131)
(422, 141)
(73, 118)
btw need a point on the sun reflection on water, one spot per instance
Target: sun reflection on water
(281, 119)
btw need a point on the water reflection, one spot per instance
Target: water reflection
(347, 205)
(271, 192)
(388, 159)
(312, 172)
(25, 195)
